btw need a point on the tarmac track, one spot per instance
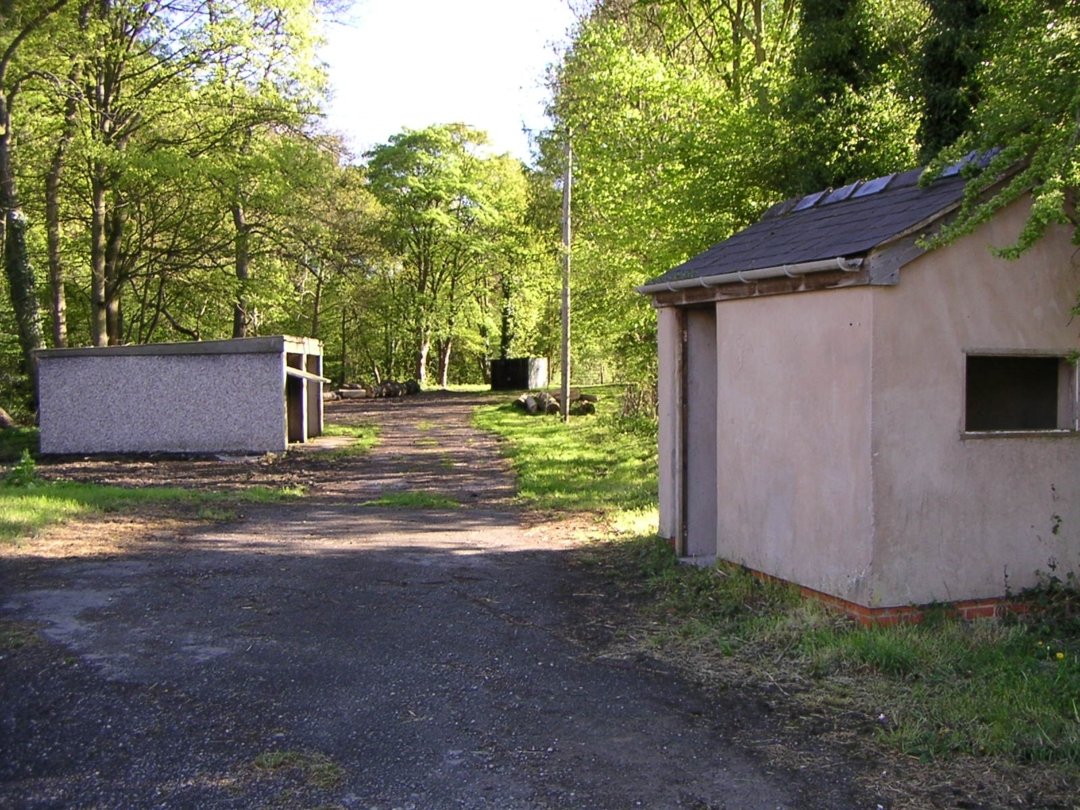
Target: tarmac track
(328, 653)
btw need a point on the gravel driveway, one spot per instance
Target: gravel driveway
(328, 653)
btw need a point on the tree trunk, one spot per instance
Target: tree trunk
(445, 348)
(21, 285)
(114, 322)
(99, 334)
(20, 273)
(243, 271)
(343, 378)
(506, 323)
(58, 302)
(422, 351)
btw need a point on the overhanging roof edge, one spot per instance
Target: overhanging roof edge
(843, 263)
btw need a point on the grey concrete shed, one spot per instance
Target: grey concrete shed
(246, 395)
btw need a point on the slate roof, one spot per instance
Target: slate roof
(845, 222)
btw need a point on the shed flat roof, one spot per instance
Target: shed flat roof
(841, 223)
(271, 344)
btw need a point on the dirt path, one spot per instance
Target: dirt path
(330, 653)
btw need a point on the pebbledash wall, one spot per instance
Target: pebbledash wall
(246, 395)
(836, 454)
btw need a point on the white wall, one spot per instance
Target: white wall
(954, 512)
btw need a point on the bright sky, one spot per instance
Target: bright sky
(411, 63)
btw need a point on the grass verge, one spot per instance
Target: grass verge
(601, 463)
(28, 508)
(1006, 688)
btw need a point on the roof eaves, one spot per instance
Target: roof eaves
(842, 263)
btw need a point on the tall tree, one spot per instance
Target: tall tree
(950, 55)
(849, 107)
(22, 24)
(445, 202)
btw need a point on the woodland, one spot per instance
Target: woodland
(165, 173)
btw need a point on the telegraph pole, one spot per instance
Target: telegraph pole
(564, 398)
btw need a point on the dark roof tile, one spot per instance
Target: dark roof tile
(847, 222)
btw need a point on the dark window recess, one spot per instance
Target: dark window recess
(1012, 393)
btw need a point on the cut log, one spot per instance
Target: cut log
(6, 422)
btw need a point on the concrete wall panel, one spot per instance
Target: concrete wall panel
(173, 403)
(793, 437)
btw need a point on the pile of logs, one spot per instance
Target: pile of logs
(387, 388)
(542, 402)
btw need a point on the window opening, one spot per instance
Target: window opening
(1019, 393)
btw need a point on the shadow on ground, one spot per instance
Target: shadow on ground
(325, 653)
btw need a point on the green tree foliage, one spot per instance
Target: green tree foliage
(661, 146)
(1030, 110)
(950, 55)
(849, 107)
(163, 160)
(455, 220)
(688, 119)
(21, 28)
(173, 177)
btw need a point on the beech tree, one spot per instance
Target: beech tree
(448, 206)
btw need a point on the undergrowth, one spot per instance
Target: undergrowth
(15, 441)
(993, 687)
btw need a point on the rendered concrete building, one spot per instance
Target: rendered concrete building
(249, 395)
(879, 424)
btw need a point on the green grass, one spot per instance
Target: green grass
(364, 437)
(601, 463)
(464, 388)
(25, 510)
(316, 768)
(1007, 688)
(15, 636)
(413, 500)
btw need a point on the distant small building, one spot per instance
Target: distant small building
(519, 374)
(247, 395)
(879, 424)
